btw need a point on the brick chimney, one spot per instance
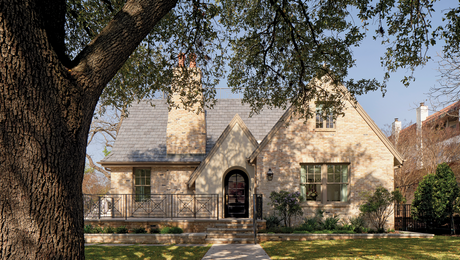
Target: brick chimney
(422, 114)
(186, 130)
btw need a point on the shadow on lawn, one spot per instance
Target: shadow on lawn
(145, 252)
(387, 248)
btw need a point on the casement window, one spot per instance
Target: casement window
(142, 184)
(324, 182)
(324, 117)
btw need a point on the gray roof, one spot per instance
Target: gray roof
(142, 136)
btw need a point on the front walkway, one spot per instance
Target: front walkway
(236, 251)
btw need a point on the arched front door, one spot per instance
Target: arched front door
(236, 194)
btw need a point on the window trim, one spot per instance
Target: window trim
(145, 196)
(325, 117)
(323, 196)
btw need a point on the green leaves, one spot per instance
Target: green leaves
(278, 53)
(286, 204)
(435, 197)
(379, 205)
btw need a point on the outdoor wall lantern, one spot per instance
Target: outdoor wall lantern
(270, 174)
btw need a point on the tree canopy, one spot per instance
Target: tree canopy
(272, 49)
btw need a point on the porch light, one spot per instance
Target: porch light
(270, 174)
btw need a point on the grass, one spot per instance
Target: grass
(439, 247)
(146, 252)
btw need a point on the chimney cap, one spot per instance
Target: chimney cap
(396, 119)
(181, 57)
(422, 104)
(192, 57)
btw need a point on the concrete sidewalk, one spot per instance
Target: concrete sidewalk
(236, 251)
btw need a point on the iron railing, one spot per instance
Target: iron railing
(405, 221)
(151, 206)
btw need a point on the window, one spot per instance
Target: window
(324, 117)
(310, 177)
(324, 182)
(142, 184)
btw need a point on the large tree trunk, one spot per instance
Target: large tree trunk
(46, 106)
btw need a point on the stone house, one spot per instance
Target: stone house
(226, 152)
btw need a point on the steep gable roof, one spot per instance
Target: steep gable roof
(397, 156)
(236, 120)
(142, 136)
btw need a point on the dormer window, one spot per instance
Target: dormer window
(324, 117)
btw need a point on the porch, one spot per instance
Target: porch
(164, 207)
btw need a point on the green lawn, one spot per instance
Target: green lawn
(146, 252)
(439, 247)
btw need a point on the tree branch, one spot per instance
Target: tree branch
(104, 56)
(100, 169)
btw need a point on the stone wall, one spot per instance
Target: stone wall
(164, 180)
(188, 225)
(186, 130)
(351, 142)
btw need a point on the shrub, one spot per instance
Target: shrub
(435, 197)
(121, 230)
(92, 230)
(357, 223)
(287, 205)
(109, 230)
(330, 223)
(379, 206)
(272, 221)
(139, 230)
(88, 229)
(171, 230)
(315, 223)
(154, 231)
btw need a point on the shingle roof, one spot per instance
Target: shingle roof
(142, 136)
(450, 109)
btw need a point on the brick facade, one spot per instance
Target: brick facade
(164, 180)
(186, 130)
(352, 142)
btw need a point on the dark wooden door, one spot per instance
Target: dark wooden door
(236, 195)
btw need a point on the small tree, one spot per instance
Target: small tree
(379, 206)
(287, 205)
(435, 197)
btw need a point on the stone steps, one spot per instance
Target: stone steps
(230, 240)
(237, 235)
(234, 225)
(231, 232)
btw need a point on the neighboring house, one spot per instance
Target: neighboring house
(433, 139)
(224, 151)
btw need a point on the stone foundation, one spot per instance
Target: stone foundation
(188, 225)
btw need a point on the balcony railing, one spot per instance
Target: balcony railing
(151, 206)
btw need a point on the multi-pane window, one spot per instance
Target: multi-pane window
(337, 182)
(324, 117)
(310, 178)
(324, 182)
(142, 184)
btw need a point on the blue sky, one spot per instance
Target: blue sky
(399, 102)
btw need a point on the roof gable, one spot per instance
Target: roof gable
(235, 121)
(398, 159)
(142, 136)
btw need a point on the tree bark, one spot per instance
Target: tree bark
(46, 106)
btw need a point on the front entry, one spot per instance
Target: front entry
(236, 195)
